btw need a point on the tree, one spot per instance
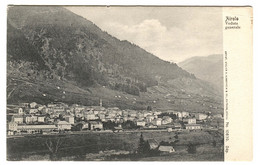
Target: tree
(214, 143)
(60, 116)
(176, 136)
(140, 148)
(149, 108)
(129, 125)
(80, 154)
(222, 141)
(146, 149)
(78, 127)
(109, 125)
(53, 145)
(128, 81)
(191, 148)
(174, 116)
(218, 123)
(143, 147)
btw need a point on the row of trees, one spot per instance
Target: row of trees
(128, 88)
(109, 125)
(125, 125)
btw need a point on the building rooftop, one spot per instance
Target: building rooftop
(63, 123)
(18, 116)
(166, 148)
(192, 124)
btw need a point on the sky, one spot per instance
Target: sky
(171, 33)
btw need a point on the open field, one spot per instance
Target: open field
(78, 146)
(214, 155)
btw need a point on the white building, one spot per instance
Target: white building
(166, 120)
(51, 105)
(30, 119)
(140, 123)
(40, 108)
(12, 126)
(201, 116)
(30, 128)
(33, 105)
(63, 125)
(149, 118)
(168, 149)
(69, 119)
(33, 110)
(18, 119)
(90, 116)
(182, 114)
(41, 119)
(101, 116)
(190, 120)
(192, 126)
(85, 126)
(157, 121)
(36, 128)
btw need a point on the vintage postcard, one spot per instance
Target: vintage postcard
(129, 83)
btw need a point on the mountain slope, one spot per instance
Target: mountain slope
(56, 55)
(208, 68)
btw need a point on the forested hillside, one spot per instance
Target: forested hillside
(56, 55)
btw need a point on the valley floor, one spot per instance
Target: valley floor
(116, 146)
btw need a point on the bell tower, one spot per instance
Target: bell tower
(100, 102)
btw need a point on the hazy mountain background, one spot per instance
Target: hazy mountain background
(208, 68)
(56, 55)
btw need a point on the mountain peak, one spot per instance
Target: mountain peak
(208, 68)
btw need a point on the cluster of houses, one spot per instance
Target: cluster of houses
(56, 117)
(154, 145)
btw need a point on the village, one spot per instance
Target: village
(56, 118)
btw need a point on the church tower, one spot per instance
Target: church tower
(100, 102)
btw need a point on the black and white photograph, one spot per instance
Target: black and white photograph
(114, 83)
